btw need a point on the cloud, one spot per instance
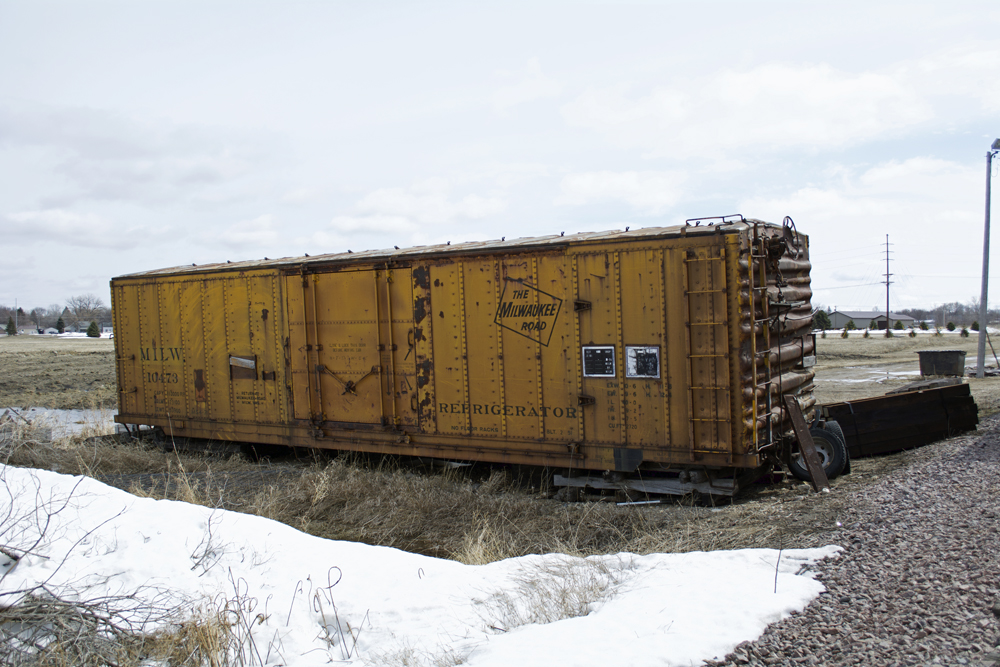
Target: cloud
(63, 227)
(649, 192)
(531, 84)
(768, 108)
(428, 202)
(260, 232)
(108, 156)
(969, 70)
(930, 208)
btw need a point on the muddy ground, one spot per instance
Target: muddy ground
(51, 372)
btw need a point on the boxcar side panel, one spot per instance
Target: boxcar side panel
(193, 380)
(557, 364)
(642, 338)
(450, 387)
(599, 349)
(264, 324)
(483, 353)
(396, 330)
(217, 349)
(519, 295)
(677, 366)
(125, 306)
(299, 377)
(423, 349)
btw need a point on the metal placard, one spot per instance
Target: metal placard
(642, 361)
(599, 361)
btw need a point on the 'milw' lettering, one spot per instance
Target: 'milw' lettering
(162, 354)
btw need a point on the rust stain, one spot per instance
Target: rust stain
(419, 309)
(424, 369)
(200, 393)
(422, 277)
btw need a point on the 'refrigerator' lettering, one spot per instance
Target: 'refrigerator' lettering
(506, 410)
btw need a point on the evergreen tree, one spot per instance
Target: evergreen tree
(975, 325)
(11, 329)
(93, 330)
(60, 325)
(898, 326)
(951, 326)
(850, 326)
(821, 321)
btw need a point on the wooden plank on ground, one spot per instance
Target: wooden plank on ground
(806, 444)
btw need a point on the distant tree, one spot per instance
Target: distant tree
(11, 329)
(950, 326)
(866, 334)
(850, 326)
(898, 326)
(821, 320)
(912, 334)
(964, 333)
(975, 325)
(60, 325)
(923, 326)
(93, 330)
(85, 307)
(873, 325)
(844, 334)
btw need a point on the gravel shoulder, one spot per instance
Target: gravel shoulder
(919, 574)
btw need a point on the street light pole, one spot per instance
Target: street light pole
(981, 352)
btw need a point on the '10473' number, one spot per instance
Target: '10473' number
(165, 378)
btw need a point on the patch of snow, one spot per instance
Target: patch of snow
(666, 609)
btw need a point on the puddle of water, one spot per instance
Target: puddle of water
(66, 423)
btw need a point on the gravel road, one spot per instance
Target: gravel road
(919, 576)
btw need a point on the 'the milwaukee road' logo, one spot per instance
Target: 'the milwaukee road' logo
(528, 311)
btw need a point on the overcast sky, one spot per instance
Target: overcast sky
(144, 134)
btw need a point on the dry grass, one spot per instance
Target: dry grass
(552, 591)
(473, 515)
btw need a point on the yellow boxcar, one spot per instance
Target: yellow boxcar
(660, 351)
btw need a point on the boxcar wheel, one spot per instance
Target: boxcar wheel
(832, 454)
(833, 426)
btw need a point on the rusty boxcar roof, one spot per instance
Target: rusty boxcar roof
(450, 249)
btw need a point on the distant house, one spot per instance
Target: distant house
(107, 329)
(863, 319)
(50, 331)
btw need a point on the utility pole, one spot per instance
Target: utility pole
(888, 322)
(983, 311)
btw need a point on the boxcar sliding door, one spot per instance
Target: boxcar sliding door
(351, 347)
